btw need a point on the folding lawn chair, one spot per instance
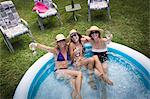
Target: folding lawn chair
(11, 25)
(98, 5)
(52, 11)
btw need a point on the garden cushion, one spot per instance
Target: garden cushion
(50, 12)
(8, 15)
(98, 5)
(15, 31)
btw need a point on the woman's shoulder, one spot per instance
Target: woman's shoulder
(71, 44)
(55, 50)
(103, 39)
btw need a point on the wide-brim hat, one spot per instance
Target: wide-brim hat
(73, 31)
(60, 37)
(94, 28)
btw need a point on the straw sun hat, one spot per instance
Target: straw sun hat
(60, 37)
(73, 31)
(94, 28)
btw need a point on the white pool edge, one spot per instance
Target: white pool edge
(142, 59)
(25, 83)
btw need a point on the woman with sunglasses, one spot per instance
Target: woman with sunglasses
(61, 58)
(99, 47)
(76, 53)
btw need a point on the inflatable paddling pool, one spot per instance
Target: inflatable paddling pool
(128, 69)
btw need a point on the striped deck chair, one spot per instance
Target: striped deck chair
(98, 5)
(11, 25)
(52, 11)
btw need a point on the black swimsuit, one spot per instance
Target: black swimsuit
(103, 56)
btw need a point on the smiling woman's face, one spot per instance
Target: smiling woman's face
(74, 37)
(95, 34)
(61, 44)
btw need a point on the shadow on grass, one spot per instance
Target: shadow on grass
(17, 43)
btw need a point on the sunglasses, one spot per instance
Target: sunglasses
(94, 32)
(73, 34)
(61, 40)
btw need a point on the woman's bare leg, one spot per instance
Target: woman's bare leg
(99, 67)
(89, 62)
(104, 91)
(78, 80)
(105, 66)
(97, 72)
(98, 64)
(78, 84)
(74, 93)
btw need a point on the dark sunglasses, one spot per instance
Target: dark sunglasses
(73, 34)
(94, 32)
(61, 40)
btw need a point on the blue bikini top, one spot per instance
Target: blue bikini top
(60, 57)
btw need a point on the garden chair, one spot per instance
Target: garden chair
(98, 5)
(52, 11)
(11, 25)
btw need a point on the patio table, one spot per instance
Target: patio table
(72, 8)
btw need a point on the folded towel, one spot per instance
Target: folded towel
(40, 7)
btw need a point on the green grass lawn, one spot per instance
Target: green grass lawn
(129, 25)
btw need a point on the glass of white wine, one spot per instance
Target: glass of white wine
(107, 34)
(32, 46)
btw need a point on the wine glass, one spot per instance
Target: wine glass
(108, 34)
(32, 46)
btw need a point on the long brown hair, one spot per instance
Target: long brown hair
(57, 47)
(79, 38)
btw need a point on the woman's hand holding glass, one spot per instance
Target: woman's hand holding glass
(32, 47)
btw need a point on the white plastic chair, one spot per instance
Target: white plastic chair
(52, 11)
(11, 25)
(98, 5)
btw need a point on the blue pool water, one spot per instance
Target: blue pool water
(129, 82)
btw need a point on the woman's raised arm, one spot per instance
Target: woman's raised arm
(108, 39)
(43, 47)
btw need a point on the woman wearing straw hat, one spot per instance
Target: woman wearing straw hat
(76, 53)
(99, 47)
(61, 58)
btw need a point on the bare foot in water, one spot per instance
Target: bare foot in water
(92, 83)
(73, 94)
(78, 96)
(107, 80)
